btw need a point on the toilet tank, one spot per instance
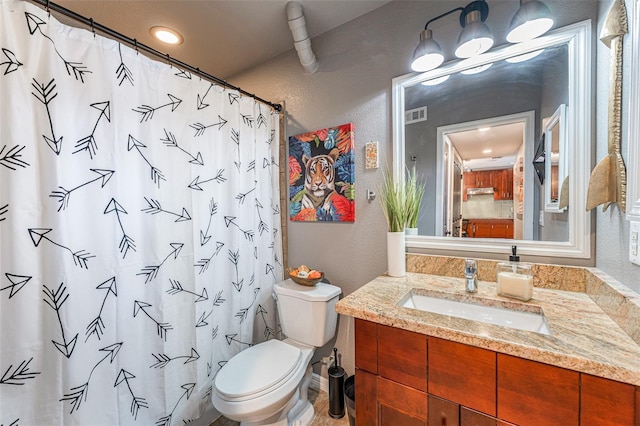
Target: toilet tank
(307, 313)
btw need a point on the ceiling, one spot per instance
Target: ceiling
(503, 141)
(222, 37)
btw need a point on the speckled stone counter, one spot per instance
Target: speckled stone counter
(584, 337)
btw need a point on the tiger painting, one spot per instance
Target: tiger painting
(319, 183)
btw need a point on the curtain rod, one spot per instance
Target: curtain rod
(48, 5)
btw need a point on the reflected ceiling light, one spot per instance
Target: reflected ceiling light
(524, 56)
(436, 81)
(532, 19)
(486, 151)
(167, 35)
(484, 129)
(476, 70)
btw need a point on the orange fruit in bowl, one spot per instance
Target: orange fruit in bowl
(313, 274)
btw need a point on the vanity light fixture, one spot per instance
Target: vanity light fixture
(532, 19)
(167, 35)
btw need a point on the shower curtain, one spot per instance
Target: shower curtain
(139, 229)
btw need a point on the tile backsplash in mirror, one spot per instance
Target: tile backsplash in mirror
(483, 206)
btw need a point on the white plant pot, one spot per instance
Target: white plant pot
(411, 231)
(396, 264)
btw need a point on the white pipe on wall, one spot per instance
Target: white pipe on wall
(301, 40)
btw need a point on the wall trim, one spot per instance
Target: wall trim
(319, 383)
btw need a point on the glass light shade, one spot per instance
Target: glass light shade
(475, 38)
(530, 21)
(428, 54)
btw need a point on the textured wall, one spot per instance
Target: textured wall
(357, 62)
(612, 230)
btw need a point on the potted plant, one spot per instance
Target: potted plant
(393, 201)
(414, 190)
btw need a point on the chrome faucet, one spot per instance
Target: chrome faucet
(471, 275)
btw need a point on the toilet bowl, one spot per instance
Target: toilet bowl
(267, 384)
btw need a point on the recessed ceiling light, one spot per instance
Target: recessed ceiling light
(486, 151)
(167, 35)
(484, 129)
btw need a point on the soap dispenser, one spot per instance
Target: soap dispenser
(514, 278)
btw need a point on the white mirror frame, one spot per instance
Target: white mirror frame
(558, 118)
(633, 159)
(579, 115)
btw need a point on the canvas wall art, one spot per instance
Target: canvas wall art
(322, 175)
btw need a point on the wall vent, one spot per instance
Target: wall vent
(415, 115)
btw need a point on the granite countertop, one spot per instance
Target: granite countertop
(583, 337)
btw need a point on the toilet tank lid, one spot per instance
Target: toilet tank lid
(321, 292)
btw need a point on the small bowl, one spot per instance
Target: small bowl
(306, 281)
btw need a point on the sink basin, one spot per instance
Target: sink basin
(513, 315)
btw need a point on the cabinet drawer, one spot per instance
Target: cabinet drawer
(366, 343)
(531, 393)
(463, 374)
(606, 402)
(402, 398)
(402, 356)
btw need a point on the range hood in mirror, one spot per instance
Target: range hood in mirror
(479, 191)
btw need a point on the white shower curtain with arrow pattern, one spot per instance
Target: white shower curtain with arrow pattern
(139, 229)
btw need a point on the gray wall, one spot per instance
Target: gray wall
(612, 230)
(357, 62)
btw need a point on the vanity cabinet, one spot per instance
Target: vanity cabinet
(407, 378)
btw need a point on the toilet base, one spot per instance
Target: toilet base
(297, 412)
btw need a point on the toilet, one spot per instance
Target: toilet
(267, 384)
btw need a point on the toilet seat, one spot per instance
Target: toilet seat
(257, 370)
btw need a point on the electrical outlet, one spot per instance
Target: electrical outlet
(634, 230)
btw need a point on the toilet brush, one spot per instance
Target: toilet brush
(336, 387)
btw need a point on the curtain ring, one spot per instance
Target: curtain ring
(48, 10)
(199, 75)
(135, 45)
(169, 61)
(93, 30)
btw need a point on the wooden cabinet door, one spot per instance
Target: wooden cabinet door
(474, 418)
(366, 343)
(499, 230)
(402, 356)
(482, 230)
(532, 393)
(366, 398)
(606, 402)
(463, 374)
(443, 412)
(399, 404)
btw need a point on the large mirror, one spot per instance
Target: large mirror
(472, 129)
